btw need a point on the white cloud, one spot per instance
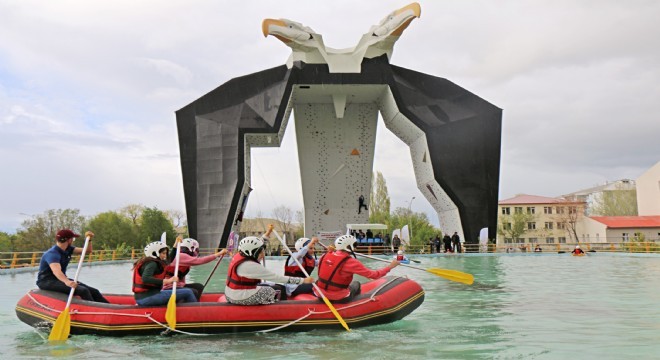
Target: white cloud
(92, 87)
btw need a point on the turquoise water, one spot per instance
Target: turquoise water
(522, 306)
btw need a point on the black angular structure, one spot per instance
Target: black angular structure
(454, 138)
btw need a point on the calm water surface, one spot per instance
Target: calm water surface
(522, 306)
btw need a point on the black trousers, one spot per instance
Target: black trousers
(85, 292)
(197, 289)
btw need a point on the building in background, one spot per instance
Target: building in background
(648, 192)
(595, 197)
(620, 229)
(531, 219)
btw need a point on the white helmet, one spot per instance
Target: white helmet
(191, 244)
(301, 242)
(344, 241)
(153, 249)
(251, 246)
(400, 252)
(577, 246)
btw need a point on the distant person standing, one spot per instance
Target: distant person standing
(362, 204)
(447, 241)
(456, 242)
(396, 242)
(437, 242)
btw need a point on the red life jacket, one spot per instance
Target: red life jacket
(237, 282)
(183, 271)
(307, 262)
(329, 277)
(399, 257)
(139, 286)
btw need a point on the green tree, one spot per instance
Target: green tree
(38, 233)
(113, 230)
(618, 202)
(380, 200)
(153, 223)
(7, 242)
(515, 225)
(418, 224)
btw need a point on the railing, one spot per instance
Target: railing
(13, 260)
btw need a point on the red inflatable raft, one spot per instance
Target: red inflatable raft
(381, 301)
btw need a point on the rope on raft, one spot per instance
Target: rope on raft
(169, 329)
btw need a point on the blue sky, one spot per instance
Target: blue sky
(88, 91)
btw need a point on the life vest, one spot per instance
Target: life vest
(139, 286)
(183, 271)
(399, 257)
(307, 262)
(237, 282)
(328, 276)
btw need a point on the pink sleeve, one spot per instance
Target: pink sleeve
(187, 260)
(356, 267)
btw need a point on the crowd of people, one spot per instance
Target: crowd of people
(448, 244)
(248, 282)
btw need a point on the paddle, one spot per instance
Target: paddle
(211, 274)
(62, 326)
(163, 238)
(170, 314)
(452, 275)
(325, 299)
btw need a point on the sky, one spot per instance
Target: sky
(88, 91)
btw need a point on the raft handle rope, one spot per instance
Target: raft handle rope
(169, 329)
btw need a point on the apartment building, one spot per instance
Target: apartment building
(531, 219)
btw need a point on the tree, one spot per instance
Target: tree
(113, 230)
(153, 223)
(618, 202)
(515, 225)
(133, 212)
(177, 217)
(7, 242)
(418, 223)
(569, 213)
(284, 216)
(38, 233)
(380, 200)
(300, 224)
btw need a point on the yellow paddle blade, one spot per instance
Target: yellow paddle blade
(453, 275)
(334, 311)
(170, 314)
(62, 327)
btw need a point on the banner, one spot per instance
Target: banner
(328, 237)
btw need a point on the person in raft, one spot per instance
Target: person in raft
(149, 278)
(244, 274)
(400, 256)
(336, 270)
(306, 255)
(189, 257)
(53, 264)
(577, 250)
